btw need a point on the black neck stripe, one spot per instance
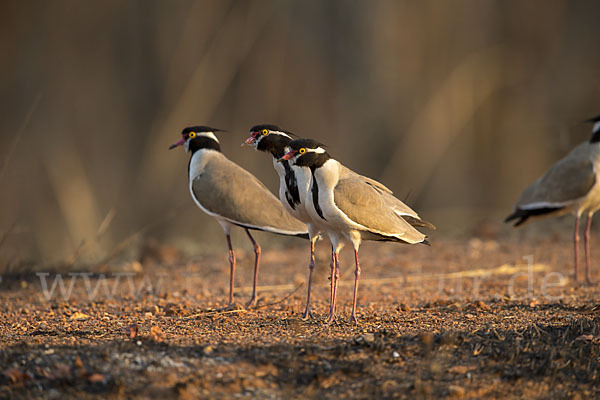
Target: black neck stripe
(292, 193)
(274, 144)
(203, 142)
(315, 195)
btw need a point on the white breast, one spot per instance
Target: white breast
(327, 177)
(197, 166)
(199, 160)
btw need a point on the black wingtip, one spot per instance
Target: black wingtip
(523, 215)
(426, 241)
(593, 120)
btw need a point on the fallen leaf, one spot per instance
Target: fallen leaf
(97, 378)
(131, 331)
(78, 316)
(585, 337)
(157, 334)
(456, 391)
(78, 363)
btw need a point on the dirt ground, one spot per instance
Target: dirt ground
(460, 319)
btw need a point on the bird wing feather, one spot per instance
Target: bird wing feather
(390, 201)
(568, 180)
(226, 189)
(365, 205)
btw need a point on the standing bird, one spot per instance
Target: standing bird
(352, 208)
(569, 186)
(233, 196)
(294, 182)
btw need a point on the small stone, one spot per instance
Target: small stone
(368, 337)
(208, 350)
(78, 316)
(395, 354)
(456, 391)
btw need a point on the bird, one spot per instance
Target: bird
(272, 139)
(352, 208)
(569, 186)
(233, 196)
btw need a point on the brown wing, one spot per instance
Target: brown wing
(570, 179)
(227, 190)
(364, 205)
(344, 171)
(408, 214)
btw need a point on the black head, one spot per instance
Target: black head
(270, 127)
(200, 129)
(306, 153)
(595, 128)
(269, 138)
(198, 137)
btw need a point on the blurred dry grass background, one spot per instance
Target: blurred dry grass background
(457, 103)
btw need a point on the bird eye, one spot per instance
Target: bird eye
(302, 150)
(192, 135)
(265, 132)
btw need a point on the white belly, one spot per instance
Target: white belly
(333, 221)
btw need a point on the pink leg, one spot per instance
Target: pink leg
(356, 278)
(576, 243)
(332, 274)
(252, 301)
(232, 268)
(588, 272)
(335, 279)
(311, 266)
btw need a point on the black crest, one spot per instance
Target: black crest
(596, 134)
(271, 127)
(200, 129)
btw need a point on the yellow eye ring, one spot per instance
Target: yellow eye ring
(302, 150)
(265, 132)
(192, 135)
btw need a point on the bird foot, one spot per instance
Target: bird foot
(589, 281)
(307, 314)
(353, 319)
(331, 319)
(252, 303)
(231, 307)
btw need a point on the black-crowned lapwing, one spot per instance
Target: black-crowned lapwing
(272, 139)
(352, 208)
(233, 196)
(569, 186)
